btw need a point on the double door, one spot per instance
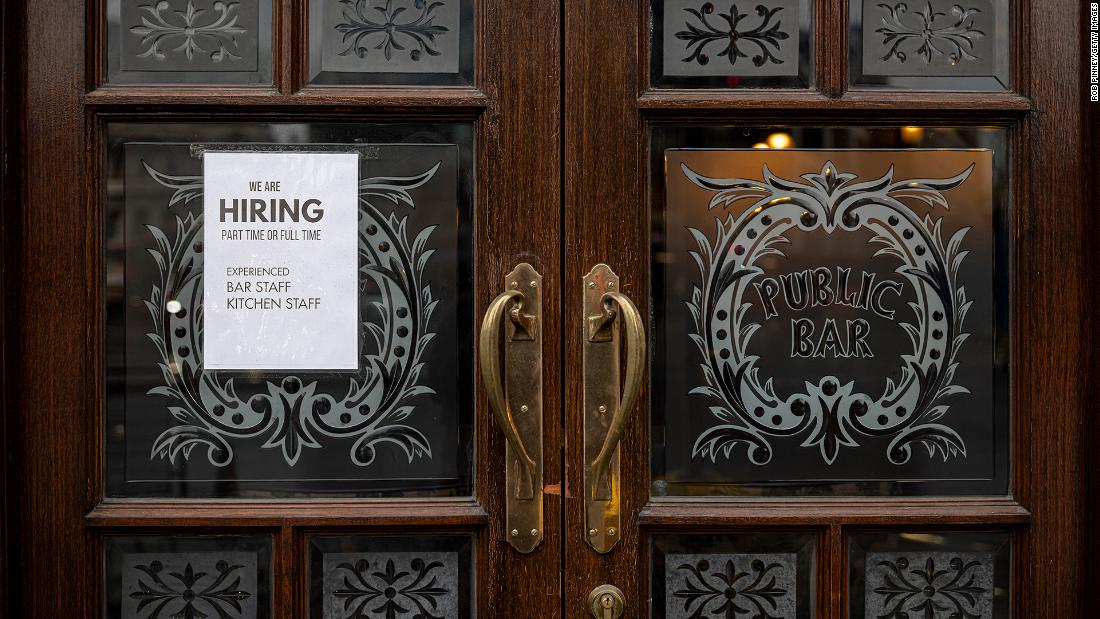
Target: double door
(455, 308)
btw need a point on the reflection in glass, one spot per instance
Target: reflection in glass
(188, 42)
(733, 575)
(400, 424)
(396, 42)
(150, 576)
(845, 310)
(929, 574)
(930, 45)
(706, 44)
(391, 576)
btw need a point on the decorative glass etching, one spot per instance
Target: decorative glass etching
(730, 44)
(398, 417)
(840, 309)
(414, 42)
(929, 575)
(775, 210)
(746, 585)
(189, 41)
(398, 577)
(747, 576)
(931, 44)
(165, 577)
(400, 584)
(939, 585)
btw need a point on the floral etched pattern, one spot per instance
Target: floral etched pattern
(926, 33)
(190, 31)
(381, 586)
(381, 26)
(831, 412)
(762, 42)
(941, 586)
(758, 586)
(189, 594)
(294, 413)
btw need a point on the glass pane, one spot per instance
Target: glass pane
(399, 424)
(739, 575)
(930, 45)
(403, 42)
(843, 301)
(161, 576)
(400, 577)
(703, 44)
(189, 41)
(934, 575)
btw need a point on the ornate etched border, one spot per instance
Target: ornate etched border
(364, 29)
(748, 410)
(293, 413)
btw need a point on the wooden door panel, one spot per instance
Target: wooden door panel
(233, 66)
(620, 105)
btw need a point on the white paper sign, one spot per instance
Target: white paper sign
(281, 268)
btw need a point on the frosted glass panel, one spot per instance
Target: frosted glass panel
(151, 577)
(189, 41)
(396, 42)
(843, 310)
(930, 44)
(403, 577)
(707, 44)
(397, 424)
(738, 575)
(937, 575)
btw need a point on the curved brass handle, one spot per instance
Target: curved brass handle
(492, 332)
(619, 306)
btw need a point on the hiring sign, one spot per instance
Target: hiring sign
(281, 272)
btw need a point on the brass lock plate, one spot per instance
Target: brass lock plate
(601, 399)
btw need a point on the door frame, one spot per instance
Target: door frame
(608, 113)
(10, 191)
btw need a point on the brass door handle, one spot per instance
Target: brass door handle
(514, 322)
(609, 317)
(619, 306)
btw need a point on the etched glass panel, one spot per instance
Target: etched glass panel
(844, 309)
(227, 577)
(398, 577)
(930, 44)
(401, 42)
(932, 575)
(189, 41)
(724, 44)
(733, 576)
(398, 424)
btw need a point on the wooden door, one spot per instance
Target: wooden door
(150, 484)
(802, 450)
(769, 468)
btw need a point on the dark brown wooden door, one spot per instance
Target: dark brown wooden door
(855, 233)
(759, 173)
(152, 485)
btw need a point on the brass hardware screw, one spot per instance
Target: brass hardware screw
(523, 409)
(602, 408)
(534, 532)
(611, 532)
(593, 532)
(515, 532)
